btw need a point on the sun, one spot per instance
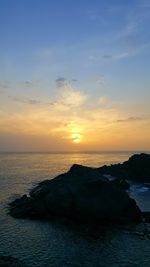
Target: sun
(76, 138)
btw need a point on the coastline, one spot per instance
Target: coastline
(54, 243)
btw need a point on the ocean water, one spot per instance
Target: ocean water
(55, 244)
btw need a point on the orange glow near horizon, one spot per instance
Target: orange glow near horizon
(62, 127)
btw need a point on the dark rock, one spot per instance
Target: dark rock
(137, 168)
(8, 261)
(121, 183)
(81, 194)
(146, 216)
(21, 207)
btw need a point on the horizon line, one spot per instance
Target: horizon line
(73, 151)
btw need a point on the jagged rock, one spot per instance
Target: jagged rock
(81, 194)
(137, 168)
(121, 183)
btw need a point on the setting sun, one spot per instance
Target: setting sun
(76, 138)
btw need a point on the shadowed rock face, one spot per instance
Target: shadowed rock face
(137, 168)
(81, 194)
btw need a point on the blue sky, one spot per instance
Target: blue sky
(98, 50)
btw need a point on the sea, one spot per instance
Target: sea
(61, 244)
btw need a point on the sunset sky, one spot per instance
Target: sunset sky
(74, 75)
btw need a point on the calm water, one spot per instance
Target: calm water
(55, 244)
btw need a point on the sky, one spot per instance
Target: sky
(74, 75)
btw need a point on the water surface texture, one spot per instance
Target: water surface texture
(55, 243)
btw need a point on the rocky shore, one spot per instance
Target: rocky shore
(85, 194)
(137, 168)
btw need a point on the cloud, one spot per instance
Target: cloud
(107, 56)
(63, 82)
(65, 97)
(72, 112)
(68, 96)
(4, 85)
(130, 52)
(72, 98)
(25, 100)
(115, 56)
(29, 101)
(28, 83)
(131, 119)
(131, 39)
(122, 55)
(69, 108)
(118, 56)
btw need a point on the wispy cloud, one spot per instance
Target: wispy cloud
(26, 100)
(125, 53)
(72, 98)
(28, 83)
(4, 85)
(129, 39)
(132, 119)
(97, 119)
(70, 106)
(63, 82)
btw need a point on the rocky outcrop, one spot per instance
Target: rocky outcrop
(82, 193)
(121, 183)
(146, 216)
(137, 168)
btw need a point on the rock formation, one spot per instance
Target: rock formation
(137, 168)
(82, 193)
